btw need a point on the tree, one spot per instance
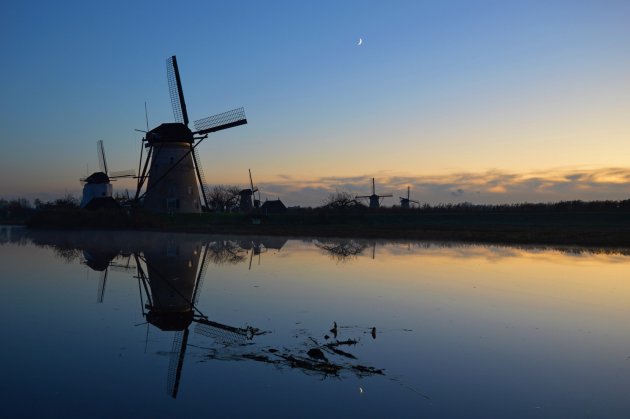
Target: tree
(68, 201)
(223, 197)
(340, 200)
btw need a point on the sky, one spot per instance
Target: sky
(462, 101)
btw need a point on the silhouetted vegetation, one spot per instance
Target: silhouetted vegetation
(223, 198)
(15, 211)
(601, 223)
(341, 200)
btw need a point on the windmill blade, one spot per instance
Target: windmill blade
(101, 286)
(176, 91)
(124, 173)
(102, 162)
(251, 182)
(205, 190)
(223, 332)
(224, 120)
(176, 362)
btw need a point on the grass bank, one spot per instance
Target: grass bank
(592, 227)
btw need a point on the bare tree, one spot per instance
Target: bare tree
(341, 199)
(342, 250)
(223, 197)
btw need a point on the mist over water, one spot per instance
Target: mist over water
(168, 324)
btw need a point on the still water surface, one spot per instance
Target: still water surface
(179, 325)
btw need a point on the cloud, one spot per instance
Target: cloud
(491, 186)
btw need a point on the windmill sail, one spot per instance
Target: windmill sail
(176, 91)
(102, 162)
(221, 121)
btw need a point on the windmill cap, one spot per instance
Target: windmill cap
(170, 321)
(97, 177)
(172, 132)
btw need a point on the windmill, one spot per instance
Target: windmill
(97, 189)
(406, 202)
(246, 195)
(172, 169)
(375, 200)
(172, 285)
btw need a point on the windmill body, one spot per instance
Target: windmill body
(172, 185)
(172, 170)
(406, 202)
(245, 200)
(97, 189)
(248, 201)
(375, 200)
(172, 273)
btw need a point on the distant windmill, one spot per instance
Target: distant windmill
(246, 195)
(174, 174)
(97, 189)
(405, 202)
(375, 200)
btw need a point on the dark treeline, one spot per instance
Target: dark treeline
(561, 206)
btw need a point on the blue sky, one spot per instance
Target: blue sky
(437, 89)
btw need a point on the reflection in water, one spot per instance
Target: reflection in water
(342, 250)
(477, 328)
(171, 280)
(170, 271)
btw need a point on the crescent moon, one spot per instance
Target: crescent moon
(360, 41)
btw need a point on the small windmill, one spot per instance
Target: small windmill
(97, 189)
(172, 169)
(246, 195)
(406, 202)
(375, 200)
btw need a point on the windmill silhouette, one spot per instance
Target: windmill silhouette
(172, 285)
(406, 202)
(375, 200)
(246, 195)
(97, 189)
(172, 169)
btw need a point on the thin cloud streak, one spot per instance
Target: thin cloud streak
(489, 187)
(492, 187)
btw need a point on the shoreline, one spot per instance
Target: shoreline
(571, 228)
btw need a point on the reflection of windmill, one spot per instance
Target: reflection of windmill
(246, 196)
(405, 202)
(102, 262)
(97, 189)
(259, 246)
(375, 200)
(171, 296)
(257, 249)
(175, 171)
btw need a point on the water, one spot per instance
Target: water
(101, 325)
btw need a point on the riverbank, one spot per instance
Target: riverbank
(607, 228)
